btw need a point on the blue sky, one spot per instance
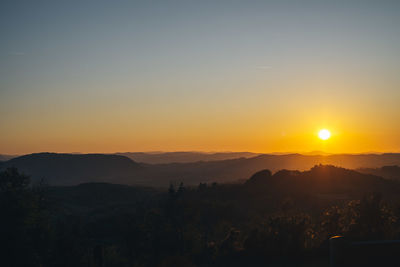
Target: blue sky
(166, 75)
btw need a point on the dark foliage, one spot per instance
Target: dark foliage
(271, 220)
(23, 226)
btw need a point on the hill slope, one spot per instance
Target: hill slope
(6, 157)
(320, 179)
(389, 172)
(70, 169)
(233, 170)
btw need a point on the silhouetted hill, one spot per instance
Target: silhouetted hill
(70, 169)
(233, 170)
(6, 157)
(321, 179)
(389, 172)
(349, 161)
(183, 157)
(225, 171)
(275, 161)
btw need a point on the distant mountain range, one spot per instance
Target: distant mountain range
(232, 170)
(184, 157)
(389, 172)
(71, 169)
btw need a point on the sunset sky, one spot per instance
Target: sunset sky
(262, 76)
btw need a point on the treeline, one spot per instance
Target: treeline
(207, 225)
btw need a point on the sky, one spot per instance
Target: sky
(263, 76)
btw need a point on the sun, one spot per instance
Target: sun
(324, 134)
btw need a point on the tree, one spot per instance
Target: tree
(21, 226)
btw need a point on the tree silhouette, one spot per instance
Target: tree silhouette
(22, 224)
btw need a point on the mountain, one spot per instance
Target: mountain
(389, 172)
(183, 157)
(279, 161)
(322, 179)
(233, 170)
(6, 157)
(350, 161)
(355, 161)
(70, 169)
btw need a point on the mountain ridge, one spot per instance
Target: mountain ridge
(70, 169)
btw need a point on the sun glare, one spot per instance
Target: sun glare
(324, 134)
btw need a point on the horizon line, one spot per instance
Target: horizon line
(305, 153)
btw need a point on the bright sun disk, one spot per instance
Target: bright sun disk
(324, 134)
